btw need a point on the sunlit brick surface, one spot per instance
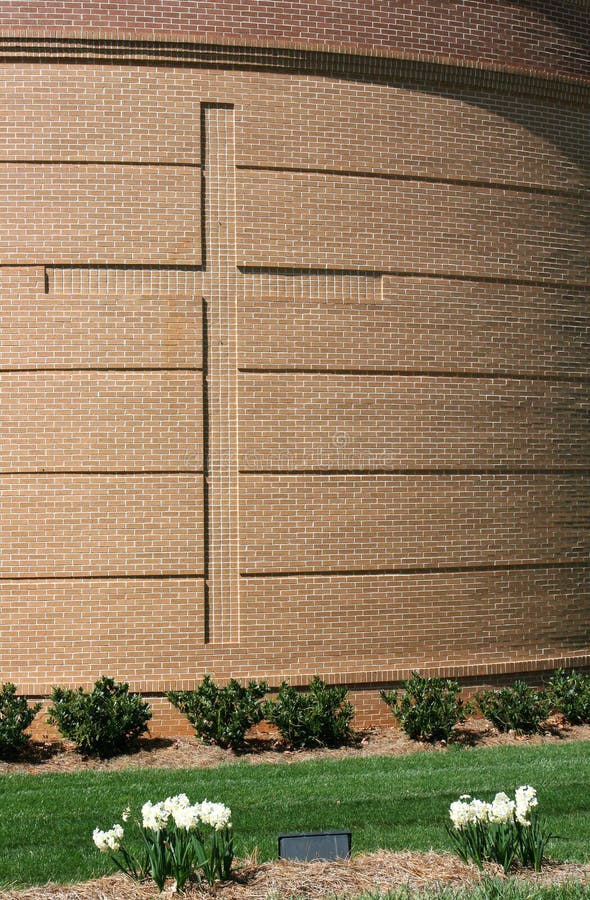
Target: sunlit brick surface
(79, 627)
(294, 357)
(83, 525)
(84, 213)
(114, 332)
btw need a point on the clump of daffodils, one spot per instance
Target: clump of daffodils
(467, 811)
(216, 815)
(525, 802)
(503, 830)
(156, 816)
(183, 841)
(502, 810)
(108, 840)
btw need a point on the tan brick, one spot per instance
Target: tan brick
(101, 421)
(104, 114)
(349, 422)
(323, 523)
(21, 281)
(422, 325)
(116, 332)
(91, 525)
(99, 214)
(295, 219)
(362, 278)
(375, 622)
(72, 632)
(307, 124)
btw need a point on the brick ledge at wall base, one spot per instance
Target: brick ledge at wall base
(367, 682)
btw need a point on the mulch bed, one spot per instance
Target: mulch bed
(264, 746)
(370, 872)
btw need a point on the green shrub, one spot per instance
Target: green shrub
(102, 722)
(221, 715)
(15, 717)
(428, 709)
(520, 708)
(570, 695)
(317, 717)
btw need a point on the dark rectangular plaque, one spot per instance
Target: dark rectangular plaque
(315, 845)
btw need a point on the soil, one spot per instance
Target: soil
(277, 880)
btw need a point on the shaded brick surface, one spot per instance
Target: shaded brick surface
(313, 421)
(414, 619)
(423, 325)
(295, 123)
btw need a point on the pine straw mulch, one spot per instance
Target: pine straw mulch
(277, 880)
(371, 872)
(263, 746)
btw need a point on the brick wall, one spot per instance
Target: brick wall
(294, 366)
(549, 35)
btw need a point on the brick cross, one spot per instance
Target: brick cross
(226, 290)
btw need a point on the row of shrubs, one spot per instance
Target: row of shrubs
(108, 719)
(430, 708)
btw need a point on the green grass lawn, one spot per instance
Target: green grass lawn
(387, 802)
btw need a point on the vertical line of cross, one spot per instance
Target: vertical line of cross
(221, 373)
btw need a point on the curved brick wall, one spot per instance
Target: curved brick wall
(294, 364)
(547, 36)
